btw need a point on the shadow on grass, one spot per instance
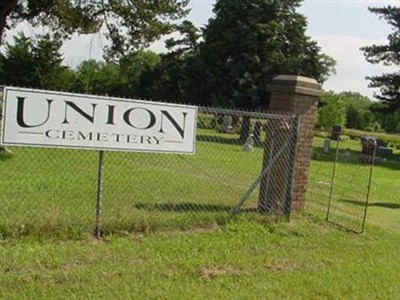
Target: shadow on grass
(191, 207)
(224, 140)
(376, 204)
(4, 155)
(218, 139)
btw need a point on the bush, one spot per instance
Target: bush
(331, 111)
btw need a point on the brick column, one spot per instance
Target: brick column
(297, 95)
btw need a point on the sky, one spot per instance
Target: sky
(340, 27)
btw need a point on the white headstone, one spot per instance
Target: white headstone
(249, 144)
(327, 146)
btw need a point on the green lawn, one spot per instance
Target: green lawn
(53, 191)
(177, 242)
(351, 186)
(302, 260)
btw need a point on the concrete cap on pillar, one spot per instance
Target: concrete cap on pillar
(297, 84)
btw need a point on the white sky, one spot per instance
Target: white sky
(340, 27)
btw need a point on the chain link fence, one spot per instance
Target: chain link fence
(340, 182)
(244, 163)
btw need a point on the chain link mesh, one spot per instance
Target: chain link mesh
(243, 162)
(46, 190)
(339, 184)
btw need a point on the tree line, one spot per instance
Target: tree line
(227, 63)
(353, 110)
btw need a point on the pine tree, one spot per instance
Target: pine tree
(389, 55)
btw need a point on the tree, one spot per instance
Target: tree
(389, 54)
(248, 42)
(134, 72)
(100, 78)
(129, 24)
(6, 6)
(355, 118)
(332, 111)
(357, 107)
(388, 120)
(173, 78)
(122, 80)
(356, 99)
(63, 17)
(17, 62)
(35, 64)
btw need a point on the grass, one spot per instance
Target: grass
(53, 192)
(302, 260)
(351, 186)
(176, 242)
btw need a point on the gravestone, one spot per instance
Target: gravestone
(336, 132)
(249, 144)
(368, 144)
(385, 151)
(227, 124)
(327, 146)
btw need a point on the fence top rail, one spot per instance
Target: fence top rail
(204, 109)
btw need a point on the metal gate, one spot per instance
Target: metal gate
(340, 182)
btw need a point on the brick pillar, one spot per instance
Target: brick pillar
(296, 95)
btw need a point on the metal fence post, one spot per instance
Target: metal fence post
(99, 200)
(369, 186)
(328, 212)
(289, 196)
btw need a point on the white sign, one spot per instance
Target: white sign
(53, 119)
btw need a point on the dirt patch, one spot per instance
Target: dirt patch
(282, 265)
(207, 272)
